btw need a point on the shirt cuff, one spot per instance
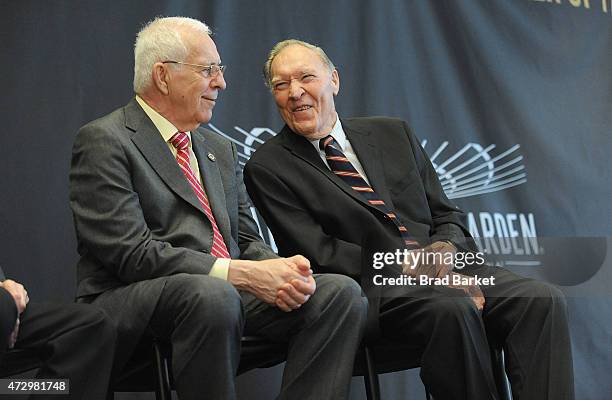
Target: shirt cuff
(220, 268)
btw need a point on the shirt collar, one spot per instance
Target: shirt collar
(337, 132)
(165, 127)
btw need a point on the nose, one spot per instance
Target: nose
(295, 89)
(219, 81)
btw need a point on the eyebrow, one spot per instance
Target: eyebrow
(301, 72)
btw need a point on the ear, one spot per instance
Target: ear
(160, 77)
(335, 81)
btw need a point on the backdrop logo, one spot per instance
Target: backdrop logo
(475, 169)
(470, 171)
(247, 142)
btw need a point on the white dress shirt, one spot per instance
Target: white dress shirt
(345, 146)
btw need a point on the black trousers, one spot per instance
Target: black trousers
(527, 318)
(75, 341)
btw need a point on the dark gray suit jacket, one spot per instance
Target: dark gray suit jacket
(313, 212)
(138, 220)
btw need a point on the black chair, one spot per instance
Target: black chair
(499, 373)
(385, 357)
(389, 356)
(142, 375)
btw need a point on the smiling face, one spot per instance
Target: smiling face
(304, 87)
(191, 95)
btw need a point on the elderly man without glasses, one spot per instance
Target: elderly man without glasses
(323, 181)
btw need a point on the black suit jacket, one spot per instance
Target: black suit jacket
(313, 212)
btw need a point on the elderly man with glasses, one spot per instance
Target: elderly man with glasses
(169, 248)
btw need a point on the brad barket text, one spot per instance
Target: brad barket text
(424, 280)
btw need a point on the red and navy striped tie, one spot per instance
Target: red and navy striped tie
(180, 141)
(342, 167)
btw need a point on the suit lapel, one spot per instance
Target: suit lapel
(370, 157)
(152, 146)
(213, 184)
(302, 149)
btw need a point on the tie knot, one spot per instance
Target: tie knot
(326, 141)
(180, 140)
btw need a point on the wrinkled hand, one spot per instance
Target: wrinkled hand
(473, 291)
(266, 280)
(434, 261)
(297, 292)
(20, 295)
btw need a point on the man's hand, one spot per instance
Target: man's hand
(285, 282)
(20, 295)
(473, 291)
(297, 292)
(435, 260)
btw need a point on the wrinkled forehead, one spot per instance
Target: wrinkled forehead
(295, 59)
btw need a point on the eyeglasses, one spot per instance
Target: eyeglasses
(208, 71)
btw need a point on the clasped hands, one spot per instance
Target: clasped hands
(440, 266)
(284, 282)
(300, 284)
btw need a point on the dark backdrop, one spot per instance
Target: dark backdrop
(512, 99)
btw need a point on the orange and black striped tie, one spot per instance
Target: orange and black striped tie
(342, 167)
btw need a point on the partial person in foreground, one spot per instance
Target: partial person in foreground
(323, 182)
(169, 248)
(74, 341)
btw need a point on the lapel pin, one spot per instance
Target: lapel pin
(211, 157)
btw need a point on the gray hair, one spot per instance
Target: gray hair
(278, 47)
(161, 40)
